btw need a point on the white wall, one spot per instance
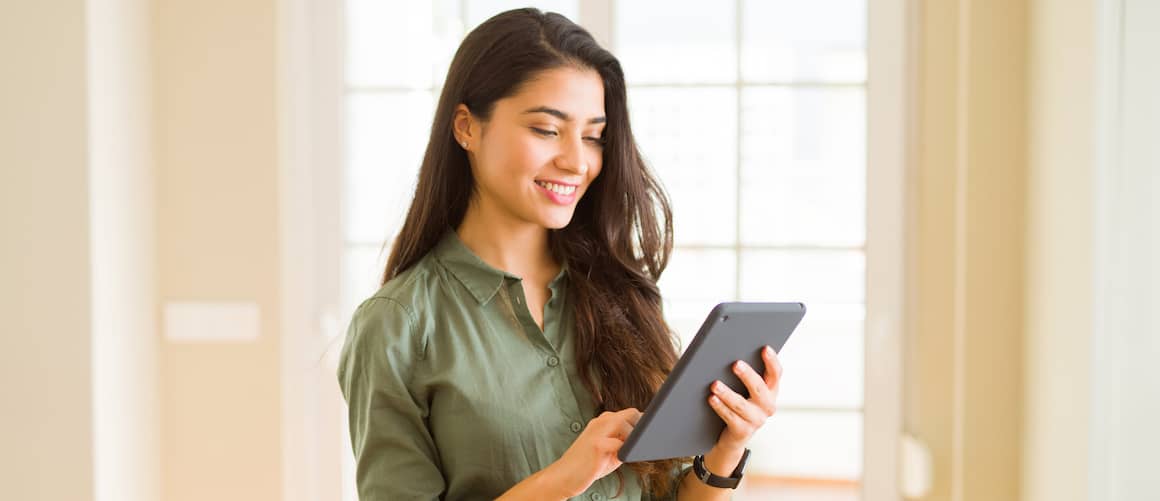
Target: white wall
(46, 396)
(1126, 344)
(126, 408)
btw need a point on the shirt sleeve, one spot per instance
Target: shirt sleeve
(395, 455)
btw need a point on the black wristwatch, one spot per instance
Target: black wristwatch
(709, 478)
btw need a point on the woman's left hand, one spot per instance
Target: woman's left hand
(744, 417)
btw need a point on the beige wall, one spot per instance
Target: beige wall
(1059, 249)
(79, 381)
(965, 384)
(44, 260)
(45, 299)
(1008, 135)
(169, 110)
(217, 240)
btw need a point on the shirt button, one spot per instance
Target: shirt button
(553, 361)
(576, 426)
(596, 496)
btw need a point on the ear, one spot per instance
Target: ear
(463, 126)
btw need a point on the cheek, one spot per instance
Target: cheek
(520, 157)
(596, 164)
(503, 162)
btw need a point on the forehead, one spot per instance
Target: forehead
(578, 93)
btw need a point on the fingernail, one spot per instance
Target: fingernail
(768, 350)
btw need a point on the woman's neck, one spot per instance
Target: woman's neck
(504, 243)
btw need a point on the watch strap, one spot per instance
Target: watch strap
(713, 480)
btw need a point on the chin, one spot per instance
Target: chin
(556, 222)
(556, 225)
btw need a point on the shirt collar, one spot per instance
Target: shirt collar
(481, 279)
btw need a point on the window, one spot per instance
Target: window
(753, 113)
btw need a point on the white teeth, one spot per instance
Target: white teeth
(560, 189)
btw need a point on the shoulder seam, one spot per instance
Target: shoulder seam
(412, 323)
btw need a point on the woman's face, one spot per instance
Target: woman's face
(541, 149)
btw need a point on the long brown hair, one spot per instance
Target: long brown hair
(620, 236)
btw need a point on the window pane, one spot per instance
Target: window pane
(385, 148)
(809, 444)
(694, 282)
(399, 43)
(803, 167)
(811, 277)
(823, 359)
(688, 136)
(479, 11)
(792, 40)
(684, 41)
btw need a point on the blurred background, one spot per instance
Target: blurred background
(195, 195)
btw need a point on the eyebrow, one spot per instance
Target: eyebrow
(561, 115)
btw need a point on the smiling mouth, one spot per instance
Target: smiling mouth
(557, 188)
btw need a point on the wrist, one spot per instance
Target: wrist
(554, 484)
(722, 460)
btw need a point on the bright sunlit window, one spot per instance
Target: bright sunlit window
(753, 114)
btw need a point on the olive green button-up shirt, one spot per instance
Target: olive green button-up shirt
(453, 390)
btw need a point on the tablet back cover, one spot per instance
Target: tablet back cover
(679, 422)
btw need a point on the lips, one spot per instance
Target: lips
(560, 194)
(558, 188)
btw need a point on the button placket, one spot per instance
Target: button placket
(524, 317)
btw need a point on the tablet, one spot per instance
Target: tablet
(678, 421)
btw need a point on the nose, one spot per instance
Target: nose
(572, 156)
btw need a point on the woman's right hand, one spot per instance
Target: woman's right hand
(593, 454)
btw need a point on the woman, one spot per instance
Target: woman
(519, 327)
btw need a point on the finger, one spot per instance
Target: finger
(611, 445)
(748, 411)
(773, 367)
(727, 414)
(622, 430)
(631, 414)
(759, 394)
(619, 423)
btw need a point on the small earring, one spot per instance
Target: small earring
(464, 144)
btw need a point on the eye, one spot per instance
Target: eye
(543, 132)
(598, 141)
